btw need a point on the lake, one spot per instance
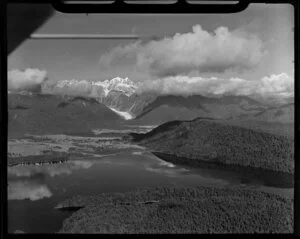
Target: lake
(35, 190)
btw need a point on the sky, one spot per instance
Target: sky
(255, 45)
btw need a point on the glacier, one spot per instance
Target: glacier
(123, 114)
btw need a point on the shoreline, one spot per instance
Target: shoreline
(37, 159)
(286, 178)
(220, 143)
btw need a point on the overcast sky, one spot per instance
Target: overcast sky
(250, 45)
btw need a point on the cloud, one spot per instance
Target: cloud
(276, 85)
(78, 164)
(197, 50)
(21, 190)
(281, 84)
(27, 80)
(73, 88)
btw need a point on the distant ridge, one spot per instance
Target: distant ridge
(51, 114)
(122, 95)
(169, 107)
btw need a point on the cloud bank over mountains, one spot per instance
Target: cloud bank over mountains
(34, 80)
(27, 80)
(280, 85)
(198, 50)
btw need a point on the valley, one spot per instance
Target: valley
(145, 122)
(116, 102)
(81, 163)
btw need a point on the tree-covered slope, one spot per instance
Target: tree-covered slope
(217, 142)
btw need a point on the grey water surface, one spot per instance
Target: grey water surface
(35, 190)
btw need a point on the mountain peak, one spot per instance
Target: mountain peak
(70, 83)
(124, 85)
(117, 84)
(120, 80)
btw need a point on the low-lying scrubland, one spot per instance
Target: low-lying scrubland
(181, 210)
(55, 157)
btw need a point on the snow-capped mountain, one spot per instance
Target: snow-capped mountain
(119, 94)
(126, 86)
(97, 88)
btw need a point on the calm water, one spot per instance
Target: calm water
(34, 190)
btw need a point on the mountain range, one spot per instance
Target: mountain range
(120, 94)
(169, 107)
(111, 102)
(95, 89)
(282, 113)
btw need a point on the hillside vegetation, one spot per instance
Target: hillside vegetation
(180, 210)
(221, 143)
(42, 114)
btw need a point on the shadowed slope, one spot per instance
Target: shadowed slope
(42, 114)
(169, 107)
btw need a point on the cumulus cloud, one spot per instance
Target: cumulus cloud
(198, 50)
(27, 80)
(281, 84)
(21, 190)
(72, 87)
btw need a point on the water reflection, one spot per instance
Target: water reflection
(225, 173)
(34, 190)
(27, 189)
(166, 170)
(28, 181)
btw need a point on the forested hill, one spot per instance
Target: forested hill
(217, 142)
